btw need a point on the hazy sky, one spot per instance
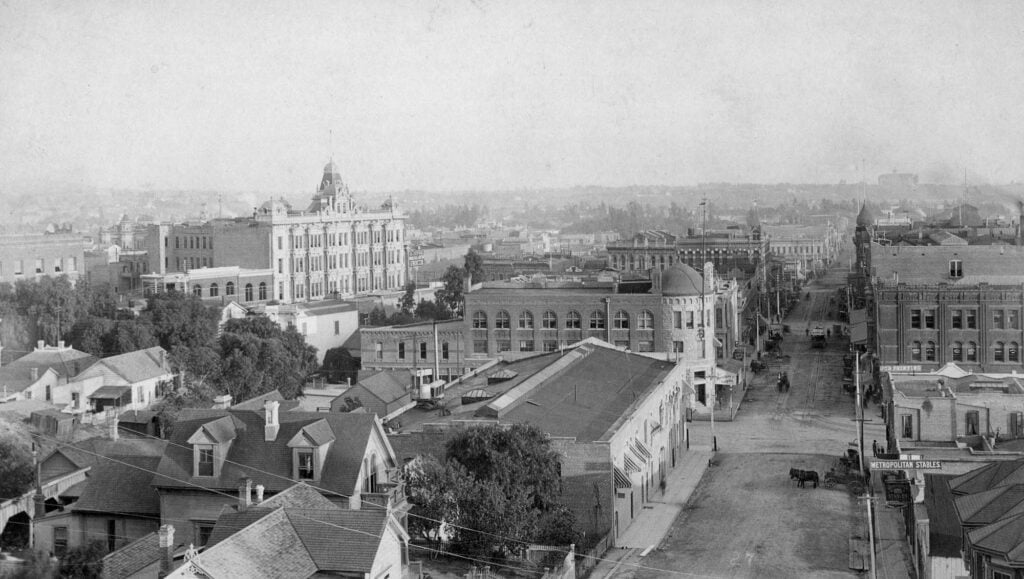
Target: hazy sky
(243, 95)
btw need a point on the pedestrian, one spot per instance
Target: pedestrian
(807, 331)
(828, 333)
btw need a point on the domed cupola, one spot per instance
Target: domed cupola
(332, 177)
(681, 280)
(865, 218)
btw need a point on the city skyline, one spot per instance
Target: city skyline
(495, 96)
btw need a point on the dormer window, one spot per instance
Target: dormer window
(956, 268)
(304, 464)
(204, 460)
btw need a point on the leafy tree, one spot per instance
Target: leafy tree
(257, 356)
(430, 310)
(557, 527)
(474, 265)
(180, 319)
(16, 475)
(84, 562)
(90, 335)
(197, 366)
(37, 565)
(434, 489)
(377, 317)
(341, 365)
(518, 457)
(408, 301)
(451, 295)
(192, 395)
(129, 336)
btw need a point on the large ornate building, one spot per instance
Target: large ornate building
(333, 248)
(734, 253)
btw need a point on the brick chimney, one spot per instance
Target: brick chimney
(112, 425)
(244, 493)
(40, 344)
(166, 541)
(221, 402)
(259, 494)
(271, 426)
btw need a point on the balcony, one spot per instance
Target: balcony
(387, 495)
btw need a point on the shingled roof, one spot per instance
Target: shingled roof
(131, 367)
(989, 506)
(1004, 537)
(280, 538)
(943, 529)
(121, 485)
(266, 463)
(988, 477)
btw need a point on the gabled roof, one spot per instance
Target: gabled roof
(386, 385)
(66, 362)
(257, 402)
(317, 433)
(1005, 537)
(121, 486)
(989, 506)
(16, 379)
(136, 556)
(988, 477)
(132, 367)
(944, 538)
(302, 533)
(266, 463)
(92, 451)
(218, 430)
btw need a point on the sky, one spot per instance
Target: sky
(485, 95)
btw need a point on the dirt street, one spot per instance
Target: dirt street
(747, 518)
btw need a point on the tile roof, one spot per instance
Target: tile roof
(121, 485)
(943, 529)
(987, 477)
(989, 506)
(131, 367)
(585, 398)
(266, 463)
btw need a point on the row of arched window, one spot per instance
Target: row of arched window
(965, 352)
(229, 290)
(572, 320)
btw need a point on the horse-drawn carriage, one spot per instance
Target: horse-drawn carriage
(783, 382)
(846, 471)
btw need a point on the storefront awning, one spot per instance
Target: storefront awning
(622, 479)
(630, 464)
(641, 450)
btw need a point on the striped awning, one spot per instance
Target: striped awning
(622, 479)
(641, 450)
(630, 464)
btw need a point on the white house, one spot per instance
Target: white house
(131, 381)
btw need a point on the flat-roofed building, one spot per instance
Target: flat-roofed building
(31, 256)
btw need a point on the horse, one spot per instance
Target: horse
(803, 476)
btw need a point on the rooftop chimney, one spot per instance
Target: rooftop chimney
(60, 344)
(259, 494)
(244, 493)
(271, 426)
(112, 424)
(40, 344)
(221, 402)
(166, 541)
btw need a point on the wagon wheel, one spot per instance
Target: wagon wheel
(856, 488)
(830, 482)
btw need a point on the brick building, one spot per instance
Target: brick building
(437, 345)
(333, 248)
(31, 256)
(938, 304)
(735, 252)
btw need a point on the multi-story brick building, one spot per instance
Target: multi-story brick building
(807, 248)
(333, 248)
(736, 253)
(430, 345)
(30, 256)
(938, 304)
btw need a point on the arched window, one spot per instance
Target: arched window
(525, 321)
(621, 320)
(549, 321)
(929, 351)
(958, 351)
(214, 290)
(1012, 354)
(972, 352)
(479, 320)
(573, 320)
(248, 292)
(597, 320)
(197, 290)
(999, 354)
(645, 320)
(915, 351)
(263, 290)
(502, 321)
(229, 288)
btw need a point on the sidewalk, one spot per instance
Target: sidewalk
(655, 519)
(892, 554)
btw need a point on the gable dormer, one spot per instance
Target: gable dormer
(210, 443)
(309, 450)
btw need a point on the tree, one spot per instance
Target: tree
(519, 456)
(193, 395)
(430, 310)
(474, 265)
(377, 317)
(341, 366)
(408, 301)
(84, 562)
(16, 475)
(179, 319)
(450, 296)
(257, 356)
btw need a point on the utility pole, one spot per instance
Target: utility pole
(859, 412)
(701, 332)
(867, 498)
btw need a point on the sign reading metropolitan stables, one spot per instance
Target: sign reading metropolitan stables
(906, 464)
